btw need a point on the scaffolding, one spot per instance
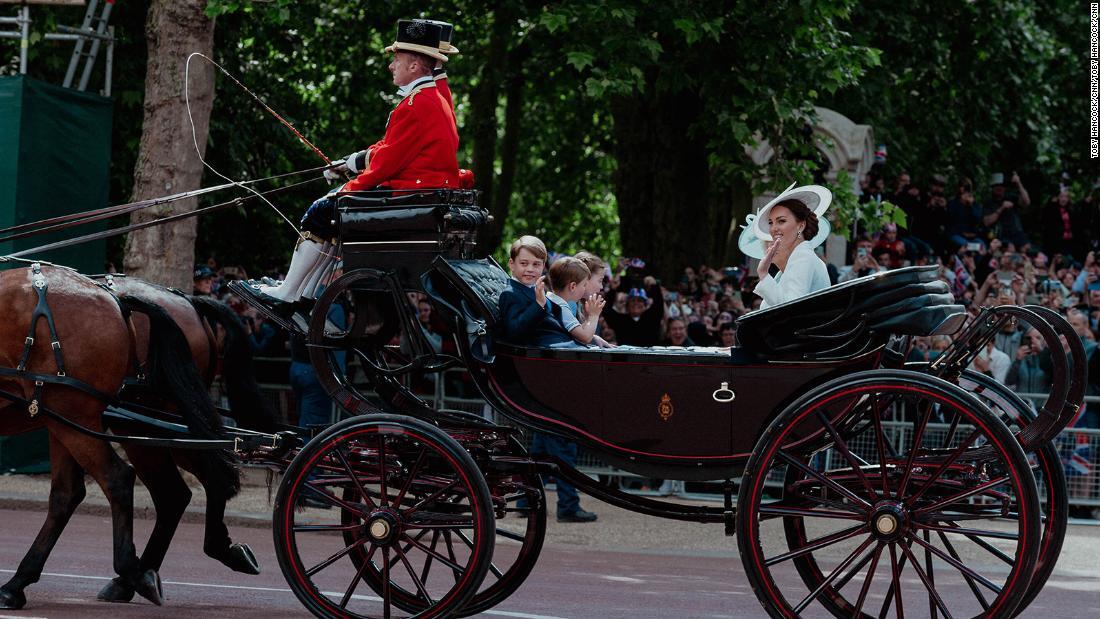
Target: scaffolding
(93, 33)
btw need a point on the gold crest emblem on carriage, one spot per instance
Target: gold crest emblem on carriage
(664, 409)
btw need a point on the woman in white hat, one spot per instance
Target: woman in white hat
(791, 222)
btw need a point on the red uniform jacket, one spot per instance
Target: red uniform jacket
(419, 149)
(465, 177)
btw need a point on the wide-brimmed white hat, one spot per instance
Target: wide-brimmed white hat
(755, 247)
(815, 197)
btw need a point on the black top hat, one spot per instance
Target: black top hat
(420, 36)
(445, 36)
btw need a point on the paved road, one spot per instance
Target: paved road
(569, 581)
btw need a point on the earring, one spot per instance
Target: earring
(800, 233)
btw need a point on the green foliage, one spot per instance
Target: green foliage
(848, 214)
(953, 87)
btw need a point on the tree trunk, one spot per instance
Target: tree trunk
(509, 145)
(662, 183)
(482, 124)
(167, 162)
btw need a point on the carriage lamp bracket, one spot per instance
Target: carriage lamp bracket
(724, 394)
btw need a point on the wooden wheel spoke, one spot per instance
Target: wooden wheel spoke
(969, 581)
(438, 557)
(798, 464)
(928, 567)
(327, 496)
(963, 494)
(386, 584)
(510, 535)
(894, 593)
(967, 532)
(833, 575)
(918, 437)
(935, 595)
(359, 488)
(880, 445)
(867, 580)
(806, 512)
(963, 446)
(818, 544)
(412, 475)
(959, 565)
(428, 556)
(845, 579)
(412, 573)
(358, 577)
(451, 553)
(336, 556)
(315, 528)
(382, 469)
(431, 497)
(470, 544)
(842, 446)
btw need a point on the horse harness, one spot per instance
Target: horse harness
(237, 443)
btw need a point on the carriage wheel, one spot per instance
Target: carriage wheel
(1049, 477)
(910, 497)
(521, 500)
(401, 491)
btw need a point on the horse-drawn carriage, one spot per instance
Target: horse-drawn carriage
(856, 484)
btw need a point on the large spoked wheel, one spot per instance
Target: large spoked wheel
(371, 499)
(888, 493)
(521, 501)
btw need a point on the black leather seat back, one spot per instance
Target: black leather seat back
(854, 317)
(404, 232)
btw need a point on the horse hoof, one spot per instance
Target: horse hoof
(12, 600)
(148, 587)
(240, 558)
(116, 591)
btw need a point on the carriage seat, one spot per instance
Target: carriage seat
(471, 290)
(403, 231)
(854, 317)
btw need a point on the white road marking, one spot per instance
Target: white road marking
(622, 579)
(369, 598)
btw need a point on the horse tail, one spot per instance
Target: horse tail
(171, 369)
(249, 407)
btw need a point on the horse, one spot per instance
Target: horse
(61, 373)
(157, 468)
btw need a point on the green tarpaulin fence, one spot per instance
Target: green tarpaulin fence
(55, 151)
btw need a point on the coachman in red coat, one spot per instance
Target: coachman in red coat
(418, 150)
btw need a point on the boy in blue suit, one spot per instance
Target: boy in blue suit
(527, 318)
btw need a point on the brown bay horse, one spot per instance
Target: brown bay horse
(156, 467)
(85, 339)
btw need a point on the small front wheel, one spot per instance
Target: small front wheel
(383, 500)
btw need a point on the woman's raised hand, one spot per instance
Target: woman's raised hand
(769, 256)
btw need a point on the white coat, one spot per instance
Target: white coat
(805, 273)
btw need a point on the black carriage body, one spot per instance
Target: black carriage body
(659, 413)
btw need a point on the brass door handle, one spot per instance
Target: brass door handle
(724, 394)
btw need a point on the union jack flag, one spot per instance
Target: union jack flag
(1077, 463)
(962, 278)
